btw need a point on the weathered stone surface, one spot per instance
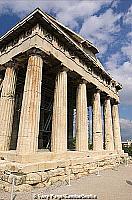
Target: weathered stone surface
(81, 118)
(54, 179)
(79, 161)
(48, 183)
(5, 186)
(109, 142)
(59, 119)
(59, 175)
(97, 123)
(7, 100)
(47, 166)
(62, 178)
(76, 169)
(80, 174)
(56, 172)
(116, 128)
(18, 180)
(30, 111)
(4, 177)
(24, 187)
(33, 178)
(63, 163)
(44, 176)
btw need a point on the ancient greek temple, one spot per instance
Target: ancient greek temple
(50, 78)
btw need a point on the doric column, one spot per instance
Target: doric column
(81, 118)
(109, 142)
(30, 110)
(116, 127)
(97, 123)
(59, 119)
(7, 107)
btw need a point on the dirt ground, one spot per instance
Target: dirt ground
(113, 184)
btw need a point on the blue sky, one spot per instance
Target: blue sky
(107, 23)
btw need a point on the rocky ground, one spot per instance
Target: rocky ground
(112, 184)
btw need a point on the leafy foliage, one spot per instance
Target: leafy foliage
(128, 150)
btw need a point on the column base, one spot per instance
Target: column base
(46, 155)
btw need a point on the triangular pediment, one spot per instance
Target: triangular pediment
(38, 16)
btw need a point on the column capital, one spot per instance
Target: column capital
(64, 68)
(84, 81)
(34, 52)
(108, 97)
(11, 64)
(81, 80)
(114, 102)
(97, 90)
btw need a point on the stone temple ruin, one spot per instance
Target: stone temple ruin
(47, 72)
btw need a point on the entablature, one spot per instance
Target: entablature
(45, 44)
(68, 48)
(53, 30)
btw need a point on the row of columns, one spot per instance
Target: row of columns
(30, 113)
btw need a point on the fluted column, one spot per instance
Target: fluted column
(116, 128)
(59, 119)
(30, 111)
(97, 123)
(109, 142)
(81, 118)
(7, 107)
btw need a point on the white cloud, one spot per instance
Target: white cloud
(127, 50)
(119, 65)
(126, 128)
(21, 7)
(115, 3)
(128, 16)
(113, 61)
(123, 74)
(82, 9)
(129, 35)
(101, 29)
(67, 12)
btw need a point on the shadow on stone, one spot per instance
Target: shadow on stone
(129, 182)
(14, 197)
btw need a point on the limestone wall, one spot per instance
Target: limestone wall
(59, 175)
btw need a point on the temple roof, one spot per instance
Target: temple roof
(38, 16)
(33, 18)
